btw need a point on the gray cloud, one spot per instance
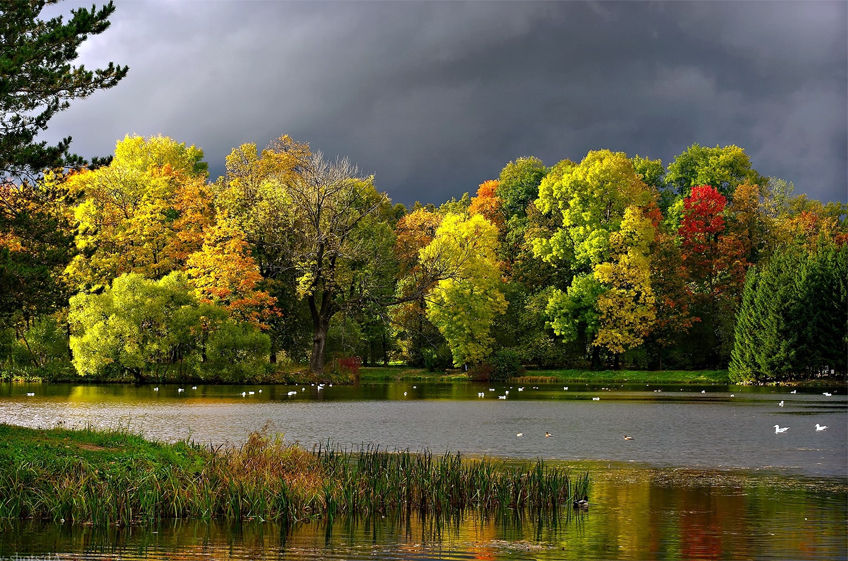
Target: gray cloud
(435, 97)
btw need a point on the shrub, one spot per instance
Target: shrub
(506, 364)
(482, 372)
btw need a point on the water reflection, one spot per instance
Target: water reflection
(635, 514)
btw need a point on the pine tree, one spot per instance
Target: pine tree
(37, 80)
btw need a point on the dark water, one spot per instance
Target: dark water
(705, 477)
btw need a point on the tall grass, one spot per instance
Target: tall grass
(126, 480)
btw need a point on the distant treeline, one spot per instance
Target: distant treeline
(142, 267)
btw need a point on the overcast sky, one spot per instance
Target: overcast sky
(436, 97)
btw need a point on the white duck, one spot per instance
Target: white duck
(820, 427)
(778, 430)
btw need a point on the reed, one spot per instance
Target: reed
(117, 478)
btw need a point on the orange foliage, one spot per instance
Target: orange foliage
(193, 202)
(488, 203)
(809, 226)
(223, 272)
(414, 232)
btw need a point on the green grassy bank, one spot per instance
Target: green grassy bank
(399, 373)
(117, 478)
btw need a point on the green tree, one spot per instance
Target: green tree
(652, 172)
(518, 185)
(149, 327)
(574, 313)
(594, 199)
(822, 324)
(37, 80)
(777, 303)
(36, 244)
(722, 168)
(744, 366)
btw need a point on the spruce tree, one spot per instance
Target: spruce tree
(743, 361)
(776, 304)
(823, 311)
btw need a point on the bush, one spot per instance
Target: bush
(506, 364)
(236, 352)
(481, 372)
(438, 359)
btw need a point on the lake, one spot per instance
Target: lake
(705, 476)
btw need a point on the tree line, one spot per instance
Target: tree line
(137, 264)
(144, 266)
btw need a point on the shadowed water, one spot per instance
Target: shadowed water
(705, 477)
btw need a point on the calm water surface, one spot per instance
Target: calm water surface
(705, 477)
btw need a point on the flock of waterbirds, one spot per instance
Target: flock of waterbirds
(777, 428)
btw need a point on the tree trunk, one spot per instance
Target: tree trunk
(316, 363)
(385, 352)
(596, 358)
(320, 327)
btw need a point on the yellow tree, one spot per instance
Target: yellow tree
(626, 308)
(466, 300)
(143, 213)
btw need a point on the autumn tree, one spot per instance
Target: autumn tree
(37, 80)
(673, 300)
(224, 273)
(145, 212)
(488, 203)
(252, 199)
(465, 301)
(714, 264)
(592, 199)
(627, 309)
(419, 339)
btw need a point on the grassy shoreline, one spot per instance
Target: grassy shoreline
(701, 377)
(408, 374)
(119, 478)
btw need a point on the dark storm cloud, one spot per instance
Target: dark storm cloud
(435, 97)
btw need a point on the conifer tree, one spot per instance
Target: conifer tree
(37, 80)
(822, 318)
(743, 361)
(776, 305)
